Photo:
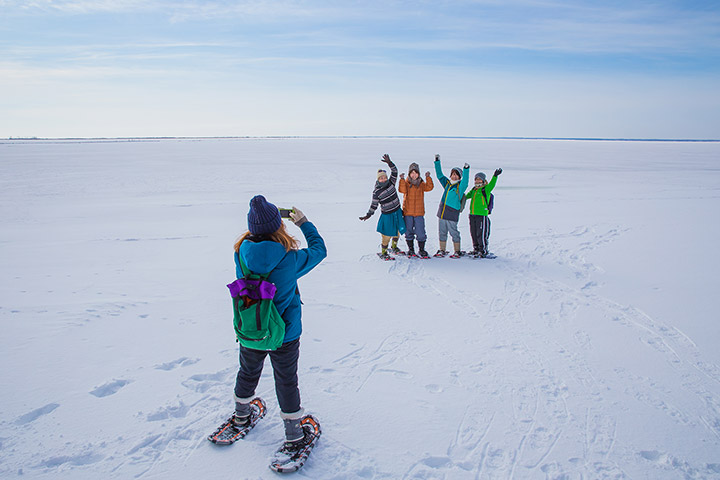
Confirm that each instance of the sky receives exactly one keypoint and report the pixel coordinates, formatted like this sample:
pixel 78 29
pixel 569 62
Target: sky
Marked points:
pixel 486 68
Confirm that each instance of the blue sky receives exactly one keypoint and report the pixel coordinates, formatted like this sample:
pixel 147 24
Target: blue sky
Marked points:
pixel 115 68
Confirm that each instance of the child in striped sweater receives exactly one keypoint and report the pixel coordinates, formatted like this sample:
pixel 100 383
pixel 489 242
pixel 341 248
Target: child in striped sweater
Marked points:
pixel 391 223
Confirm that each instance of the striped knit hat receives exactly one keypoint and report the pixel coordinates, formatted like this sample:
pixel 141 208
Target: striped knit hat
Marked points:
pixel 458 170
pixel 414 166
pixel 263 217
pixel 380 173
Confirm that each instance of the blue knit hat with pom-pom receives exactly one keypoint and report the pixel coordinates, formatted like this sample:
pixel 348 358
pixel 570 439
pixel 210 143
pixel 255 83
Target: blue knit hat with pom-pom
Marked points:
pixel 263 217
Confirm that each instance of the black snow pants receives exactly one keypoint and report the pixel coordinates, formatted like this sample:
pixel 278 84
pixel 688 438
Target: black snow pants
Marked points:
pixel 480 232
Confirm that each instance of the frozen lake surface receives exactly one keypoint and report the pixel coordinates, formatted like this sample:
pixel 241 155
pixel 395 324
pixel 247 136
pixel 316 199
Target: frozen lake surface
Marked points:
pixel 587 349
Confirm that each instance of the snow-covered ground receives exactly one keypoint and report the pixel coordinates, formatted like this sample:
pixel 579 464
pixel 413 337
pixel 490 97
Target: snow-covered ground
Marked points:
pixel 587 349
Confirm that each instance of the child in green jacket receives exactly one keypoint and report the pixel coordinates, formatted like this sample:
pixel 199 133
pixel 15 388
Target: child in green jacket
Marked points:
pixel 479 197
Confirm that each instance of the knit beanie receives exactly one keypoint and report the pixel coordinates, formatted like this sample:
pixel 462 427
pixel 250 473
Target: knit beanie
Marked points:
pixel 415 167
pixel 458 170
pixel 263 217
pixel 481 176
pixel 380 173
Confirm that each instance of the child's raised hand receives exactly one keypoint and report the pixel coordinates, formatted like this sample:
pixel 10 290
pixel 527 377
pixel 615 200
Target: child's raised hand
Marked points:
pixel 498 171
pixel 427 174
pixel 402 176
pixel 386 159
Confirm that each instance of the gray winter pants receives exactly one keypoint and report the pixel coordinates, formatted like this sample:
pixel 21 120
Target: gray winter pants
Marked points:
pixel 415 226
pixel 445 226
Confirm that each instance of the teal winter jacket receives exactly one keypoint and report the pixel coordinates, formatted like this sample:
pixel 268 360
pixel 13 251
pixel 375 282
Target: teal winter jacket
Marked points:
pixel 287 268
pixel 450 205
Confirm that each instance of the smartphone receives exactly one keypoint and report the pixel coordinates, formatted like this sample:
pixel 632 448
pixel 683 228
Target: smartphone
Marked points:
pixel 285 212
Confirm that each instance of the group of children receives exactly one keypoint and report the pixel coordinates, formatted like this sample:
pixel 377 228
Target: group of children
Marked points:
pixel 410 218
pixel 270 253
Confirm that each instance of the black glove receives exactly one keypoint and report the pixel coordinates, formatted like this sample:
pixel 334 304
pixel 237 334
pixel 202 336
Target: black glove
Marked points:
pixel 386 159
pixel 466 166
pixel 498 171
pixel 365 217
pixel 437 157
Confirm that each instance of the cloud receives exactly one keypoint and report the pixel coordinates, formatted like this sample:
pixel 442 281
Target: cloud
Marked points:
pixel 176 10
pixel 75 6
pixel 522 25
pixel 509 67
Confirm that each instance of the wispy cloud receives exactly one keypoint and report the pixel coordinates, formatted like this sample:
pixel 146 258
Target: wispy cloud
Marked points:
pixel 573 27
pixel 470 56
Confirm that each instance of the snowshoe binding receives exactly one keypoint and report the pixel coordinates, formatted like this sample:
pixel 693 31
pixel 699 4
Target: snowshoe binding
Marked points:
pixel 292 455
pixel 235 428
pixel 441 253
pixel 458 254
pixel 385 256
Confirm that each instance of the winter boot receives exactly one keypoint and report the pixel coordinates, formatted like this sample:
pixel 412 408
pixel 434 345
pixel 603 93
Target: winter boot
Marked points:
pixel 421 250
pixel 394 249
pixel 241 417
pixel 443 250
pixel 384 253
pixel 458 253
pixel 411 248
pixel 293 428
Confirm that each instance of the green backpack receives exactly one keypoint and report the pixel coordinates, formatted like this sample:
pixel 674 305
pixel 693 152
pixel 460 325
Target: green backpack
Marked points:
pixel 258 324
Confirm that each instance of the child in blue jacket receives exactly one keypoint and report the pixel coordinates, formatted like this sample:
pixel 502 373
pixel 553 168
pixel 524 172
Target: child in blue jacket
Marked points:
pixel 267 247
pixel 450 206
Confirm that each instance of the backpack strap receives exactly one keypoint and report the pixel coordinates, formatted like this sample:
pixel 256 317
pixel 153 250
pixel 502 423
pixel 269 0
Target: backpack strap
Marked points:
pixel 246 271
pixel 484 194
pixel 447 191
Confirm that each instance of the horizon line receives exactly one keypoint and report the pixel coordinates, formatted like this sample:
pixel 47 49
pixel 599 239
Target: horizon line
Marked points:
pixel 447 137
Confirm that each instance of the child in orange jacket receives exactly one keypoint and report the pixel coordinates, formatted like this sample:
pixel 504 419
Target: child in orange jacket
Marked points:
pixel 413 190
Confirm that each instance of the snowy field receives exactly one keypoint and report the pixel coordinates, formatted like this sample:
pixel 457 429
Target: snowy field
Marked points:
pixel 587 349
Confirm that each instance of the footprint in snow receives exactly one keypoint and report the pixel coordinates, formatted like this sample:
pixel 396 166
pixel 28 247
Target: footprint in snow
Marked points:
pixel 180 362
pixel 172 411
pixel 109 388
pixel 37 413
pixel 79 460
pixel 397 373
pixel 434 388
pixel 201 383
